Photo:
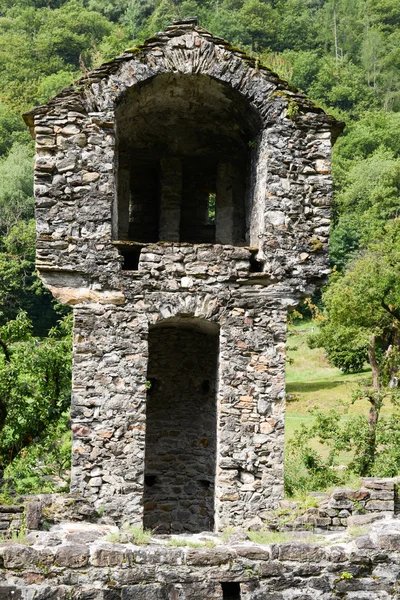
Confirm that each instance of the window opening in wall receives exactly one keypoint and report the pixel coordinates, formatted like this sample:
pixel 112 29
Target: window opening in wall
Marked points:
pixel 256 266
pixel 230 590
pixel 211 207
pixel 181 423
pixel 131 256
pixel 183 161
pixel 150 480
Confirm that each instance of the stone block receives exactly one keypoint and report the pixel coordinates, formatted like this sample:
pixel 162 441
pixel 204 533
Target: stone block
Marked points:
pixel 343 504
pixel 373 483
pixel 345 493
pixel 33 514
pixel 31 578
pixel 155 556
pixel 382 495
pixel 271 569
pixel 389 541
pixel 152 591
pixel 10 592
pixel 336 554
pixel 72 556
pixel 87 593
pixel 18 556
pixel 380 505
pixel 360 520
pixel 110 556
pixel 45 556
pixel 252 552
pixel 7 516
pixel 364 542
pixel 300 551
pixel 11 509
pixel 208 556
pixel 51 593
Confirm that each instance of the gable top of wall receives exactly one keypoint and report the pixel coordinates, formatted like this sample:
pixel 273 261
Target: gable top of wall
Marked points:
pixel 75 97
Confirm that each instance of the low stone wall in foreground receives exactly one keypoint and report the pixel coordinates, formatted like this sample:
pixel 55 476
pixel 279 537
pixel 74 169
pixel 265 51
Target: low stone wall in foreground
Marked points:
pixel 343 507
pixel 82 564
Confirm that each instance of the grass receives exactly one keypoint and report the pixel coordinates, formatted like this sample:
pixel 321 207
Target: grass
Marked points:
pixel 278 537
pixel 18 536
pixel 312 382
pixel 181 542
pixel 141 536
pixel 356 531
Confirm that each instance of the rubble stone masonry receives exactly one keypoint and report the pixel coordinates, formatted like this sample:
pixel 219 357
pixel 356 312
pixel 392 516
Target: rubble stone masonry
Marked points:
pixel 128 162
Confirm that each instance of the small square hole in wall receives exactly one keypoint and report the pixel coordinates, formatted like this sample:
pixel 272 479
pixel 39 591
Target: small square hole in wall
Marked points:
pixel 256 266
pixel 150 480
pixel 131 257
pixel 230 590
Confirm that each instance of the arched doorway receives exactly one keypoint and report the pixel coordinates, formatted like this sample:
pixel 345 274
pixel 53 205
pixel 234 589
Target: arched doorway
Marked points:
pixel 181 422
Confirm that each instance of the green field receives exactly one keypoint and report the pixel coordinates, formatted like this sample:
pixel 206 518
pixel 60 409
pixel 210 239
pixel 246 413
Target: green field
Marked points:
pixel 314 382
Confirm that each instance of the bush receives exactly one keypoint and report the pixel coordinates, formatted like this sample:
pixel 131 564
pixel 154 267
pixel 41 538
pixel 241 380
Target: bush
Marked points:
pixel 35 392
pixel 306 470
pixel 44 465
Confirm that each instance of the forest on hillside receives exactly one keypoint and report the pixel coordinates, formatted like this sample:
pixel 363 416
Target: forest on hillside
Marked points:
pixel 345 55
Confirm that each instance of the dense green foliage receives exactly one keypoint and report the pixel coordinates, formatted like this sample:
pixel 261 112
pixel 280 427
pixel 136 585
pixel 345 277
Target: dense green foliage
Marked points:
pixel 343 53
pixel 34 397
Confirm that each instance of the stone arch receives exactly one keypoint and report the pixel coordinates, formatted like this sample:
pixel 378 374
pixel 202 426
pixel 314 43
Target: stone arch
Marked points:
pixel 184 146
pixel 181 425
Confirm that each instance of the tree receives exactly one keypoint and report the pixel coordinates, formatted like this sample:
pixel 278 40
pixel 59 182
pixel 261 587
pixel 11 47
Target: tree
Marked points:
pixel 16 186
pixel 12 130
pixel 20 287
pixel 34 383
pixel 363 306
pixel 363 322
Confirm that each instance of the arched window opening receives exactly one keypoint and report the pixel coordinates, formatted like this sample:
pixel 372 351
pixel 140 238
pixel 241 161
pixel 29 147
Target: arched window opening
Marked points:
pixel 184 145
pixel 181 423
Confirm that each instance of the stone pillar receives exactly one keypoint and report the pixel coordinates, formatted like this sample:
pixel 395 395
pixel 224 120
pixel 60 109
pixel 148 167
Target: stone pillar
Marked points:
pixel 121 227
pixel 108 409
pixel 251 403
pixel 170 202
pixel 224 214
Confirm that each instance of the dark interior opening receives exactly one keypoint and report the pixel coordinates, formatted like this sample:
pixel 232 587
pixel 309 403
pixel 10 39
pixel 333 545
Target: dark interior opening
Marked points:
pixel 131 256
pixel 184 146
pixel 150 480
pixel 230 590
pixel 256 266
pixel 181 421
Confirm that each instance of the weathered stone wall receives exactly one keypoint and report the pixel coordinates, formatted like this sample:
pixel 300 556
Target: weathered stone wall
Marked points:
pixel 375 498
pixel 245 291
pixel 81 565
pixel 110 368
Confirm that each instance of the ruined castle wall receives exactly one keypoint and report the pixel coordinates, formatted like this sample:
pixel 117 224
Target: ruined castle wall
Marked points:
pixel 65 566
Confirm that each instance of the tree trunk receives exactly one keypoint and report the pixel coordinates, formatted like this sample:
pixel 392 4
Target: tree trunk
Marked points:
pixel 374 363
pixel 373 417
pixel 369 457
pixel 336 36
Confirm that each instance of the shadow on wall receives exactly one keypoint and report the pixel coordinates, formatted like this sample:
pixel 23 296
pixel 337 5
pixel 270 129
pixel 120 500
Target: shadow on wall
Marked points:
pixel 184 152
pixel 181 423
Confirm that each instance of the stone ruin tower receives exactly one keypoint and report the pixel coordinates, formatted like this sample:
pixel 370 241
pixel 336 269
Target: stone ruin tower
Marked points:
pixel 182 203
